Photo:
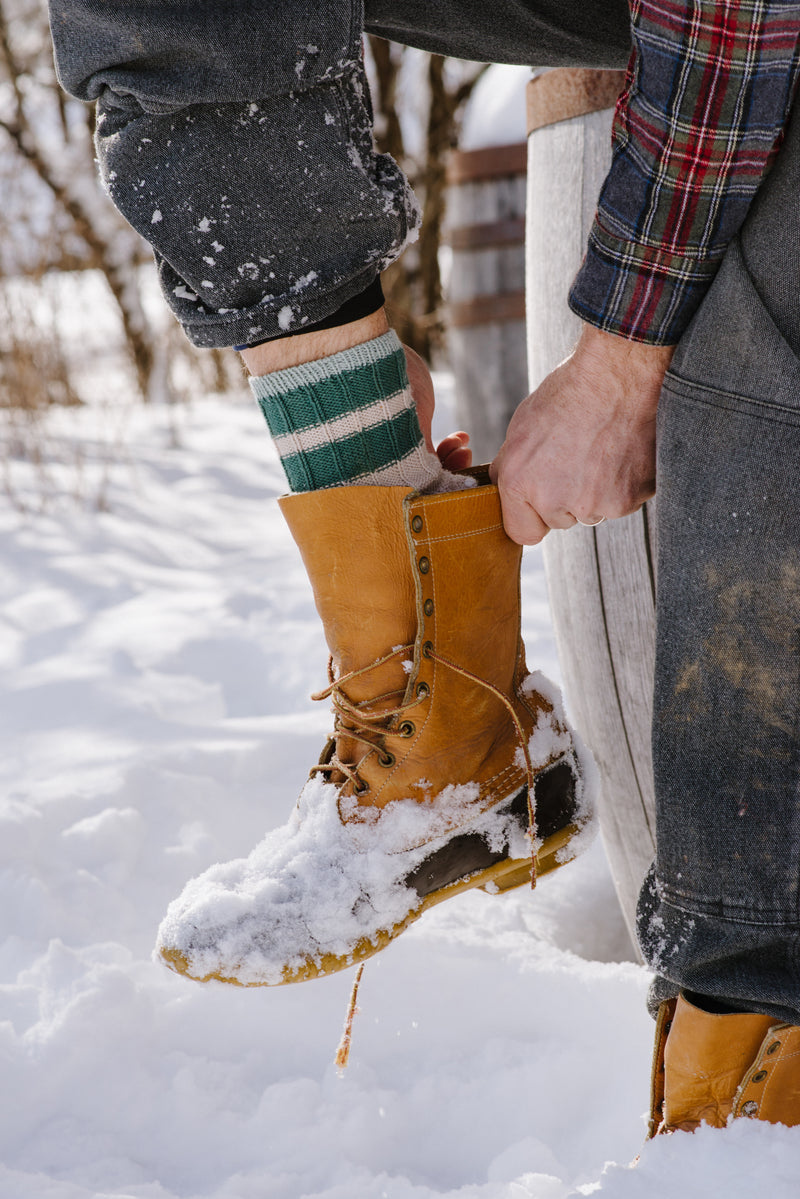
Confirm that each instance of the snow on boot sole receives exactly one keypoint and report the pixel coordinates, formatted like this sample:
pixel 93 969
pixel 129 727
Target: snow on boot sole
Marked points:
pixel 439 736
pixel 464 861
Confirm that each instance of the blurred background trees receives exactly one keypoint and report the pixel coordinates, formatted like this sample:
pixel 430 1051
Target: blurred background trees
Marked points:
pixel 54 218
pixel 55 221
pixel 419 101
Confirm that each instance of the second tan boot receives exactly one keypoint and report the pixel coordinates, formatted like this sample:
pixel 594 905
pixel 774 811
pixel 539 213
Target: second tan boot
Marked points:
pixel 446 757
pixel 709 1069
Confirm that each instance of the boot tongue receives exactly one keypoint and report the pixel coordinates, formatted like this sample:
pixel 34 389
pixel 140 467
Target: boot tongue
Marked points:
pixel 359 636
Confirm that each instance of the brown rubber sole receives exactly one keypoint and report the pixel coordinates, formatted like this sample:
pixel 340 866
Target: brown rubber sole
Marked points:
pixel 494 879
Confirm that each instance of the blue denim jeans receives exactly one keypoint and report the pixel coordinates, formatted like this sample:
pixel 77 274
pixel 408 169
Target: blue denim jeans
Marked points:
pixel 720 912
pixel 236 138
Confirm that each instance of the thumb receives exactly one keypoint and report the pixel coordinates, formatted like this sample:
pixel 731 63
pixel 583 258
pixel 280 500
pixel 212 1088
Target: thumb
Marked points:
pixel 496 464
pixel 421 384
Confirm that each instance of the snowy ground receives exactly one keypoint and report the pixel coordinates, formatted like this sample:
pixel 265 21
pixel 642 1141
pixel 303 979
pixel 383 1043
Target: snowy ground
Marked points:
pixel 157 658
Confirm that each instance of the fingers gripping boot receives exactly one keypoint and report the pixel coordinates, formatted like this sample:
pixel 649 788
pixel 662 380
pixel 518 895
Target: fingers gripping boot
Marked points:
pixel 711 1068
pixel 439 739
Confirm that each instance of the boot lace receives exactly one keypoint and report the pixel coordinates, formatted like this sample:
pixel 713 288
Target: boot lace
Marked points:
pixel 367 722
pixel 368 727
pixel 361 722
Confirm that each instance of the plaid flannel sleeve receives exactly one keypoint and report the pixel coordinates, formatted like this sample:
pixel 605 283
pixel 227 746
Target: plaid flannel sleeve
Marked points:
pixel 708 92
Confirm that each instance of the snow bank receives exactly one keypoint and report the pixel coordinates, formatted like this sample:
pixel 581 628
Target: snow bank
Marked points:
pixel 157 660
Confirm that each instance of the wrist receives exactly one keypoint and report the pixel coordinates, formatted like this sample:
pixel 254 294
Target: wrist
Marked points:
pixel 614 366
pixel 621 354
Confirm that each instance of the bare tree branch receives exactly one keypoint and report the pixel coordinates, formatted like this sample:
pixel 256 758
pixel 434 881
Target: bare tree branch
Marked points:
pixel 27 144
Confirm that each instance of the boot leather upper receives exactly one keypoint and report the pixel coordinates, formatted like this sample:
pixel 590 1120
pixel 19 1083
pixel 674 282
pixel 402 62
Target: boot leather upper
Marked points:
pixel 432 582
pixel 720 1066
pixel 391 567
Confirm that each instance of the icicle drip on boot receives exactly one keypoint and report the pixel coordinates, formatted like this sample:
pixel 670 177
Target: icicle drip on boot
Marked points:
pixel 443 751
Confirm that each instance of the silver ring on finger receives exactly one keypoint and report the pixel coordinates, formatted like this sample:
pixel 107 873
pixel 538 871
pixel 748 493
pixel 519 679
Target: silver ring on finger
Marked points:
pixel 590 524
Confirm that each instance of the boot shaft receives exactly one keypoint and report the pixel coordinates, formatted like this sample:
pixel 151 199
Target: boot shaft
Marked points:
pixel 468 583
pixel 391 568
pixel 354 547
pixel 709 1068
pixel 386 563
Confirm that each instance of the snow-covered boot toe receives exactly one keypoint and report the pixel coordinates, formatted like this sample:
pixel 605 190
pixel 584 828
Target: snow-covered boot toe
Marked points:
pixel 444 749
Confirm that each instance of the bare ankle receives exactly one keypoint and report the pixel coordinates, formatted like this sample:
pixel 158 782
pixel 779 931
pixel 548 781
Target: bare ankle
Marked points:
pixel 308 347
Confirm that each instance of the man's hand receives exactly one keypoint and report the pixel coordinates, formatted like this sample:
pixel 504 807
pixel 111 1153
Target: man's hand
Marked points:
pixel 453 451
pixel 582 446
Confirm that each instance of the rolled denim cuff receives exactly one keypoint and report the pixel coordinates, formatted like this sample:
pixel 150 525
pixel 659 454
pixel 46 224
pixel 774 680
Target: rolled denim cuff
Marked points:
pixel 264 217
pixel 360 306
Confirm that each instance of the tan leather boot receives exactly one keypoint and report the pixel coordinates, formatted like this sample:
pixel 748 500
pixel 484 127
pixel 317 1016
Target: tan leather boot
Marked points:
pixel 712 1068
pixel 439 739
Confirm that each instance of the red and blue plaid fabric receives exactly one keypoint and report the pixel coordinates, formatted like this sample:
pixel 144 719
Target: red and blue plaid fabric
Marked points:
pixel 709 88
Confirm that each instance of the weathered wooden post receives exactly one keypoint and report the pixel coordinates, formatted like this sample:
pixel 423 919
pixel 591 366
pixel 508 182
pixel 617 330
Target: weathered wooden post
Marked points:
pixel 601 580
pixel 486 298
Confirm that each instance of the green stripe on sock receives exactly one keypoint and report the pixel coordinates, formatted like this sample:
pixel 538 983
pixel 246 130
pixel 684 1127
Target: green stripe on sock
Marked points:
pixel 314 411
pixel 365 452
pixel 311 405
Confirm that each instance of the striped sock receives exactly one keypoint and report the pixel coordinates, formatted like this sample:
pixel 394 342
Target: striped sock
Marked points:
pixel 350 419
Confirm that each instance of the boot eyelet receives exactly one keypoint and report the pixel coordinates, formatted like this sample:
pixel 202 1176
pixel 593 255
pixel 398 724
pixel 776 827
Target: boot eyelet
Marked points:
pixel 360 788
pixel 750 1108
pixel 427 607
pixel 427 649
pixel 422 690
pixel 760 1076
pixel 416 524
pixel 774 1047
pixel 386 759
pixel 424 566
pixel 407 728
